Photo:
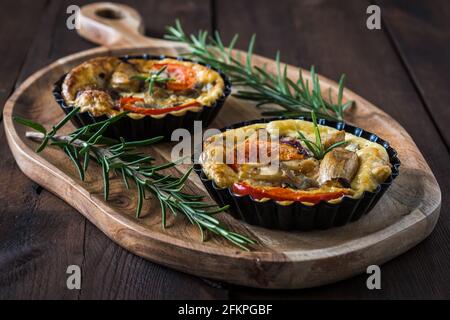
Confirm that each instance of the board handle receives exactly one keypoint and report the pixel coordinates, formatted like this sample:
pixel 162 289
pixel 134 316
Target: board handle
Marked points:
pixel 114 25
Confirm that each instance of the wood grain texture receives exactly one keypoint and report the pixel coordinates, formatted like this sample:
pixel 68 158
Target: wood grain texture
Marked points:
pixel 406 215
pixel 420 31
pixel 18 46
pixel 29 229
pixel 334 38
pixel 40 234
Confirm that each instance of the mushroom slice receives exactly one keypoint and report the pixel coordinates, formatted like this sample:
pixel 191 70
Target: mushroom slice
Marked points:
pixel 300 181
pixel 334 137
pixel 97 102
pixel 352 147
pixel 264 173
pixel 92 74
pixel 338 163
pixel 308 167
pixel 122 78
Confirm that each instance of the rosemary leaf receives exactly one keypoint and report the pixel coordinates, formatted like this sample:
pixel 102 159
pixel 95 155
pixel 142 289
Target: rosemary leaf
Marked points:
pixel 317 147
pixel 124 159
pixel 73 156
pixel 294 97
pixel 105 173
pixel 31 124
pixel 124 178
pixel 334 145
pixel 163 212
pixel 140 198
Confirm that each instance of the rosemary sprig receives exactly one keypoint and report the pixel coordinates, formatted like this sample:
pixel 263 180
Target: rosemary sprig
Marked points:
pixel 296 98
pixel 317 147
pixel 152 78
pixel 124 159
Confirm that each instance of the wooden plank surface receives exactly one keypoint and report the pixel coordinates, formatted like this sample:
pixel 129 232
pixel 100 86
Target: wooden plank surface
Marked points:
pixel 41 235
pixel 334 37
pixel 35 236
pixel 15 52
pixel 328 34
pixel 420 32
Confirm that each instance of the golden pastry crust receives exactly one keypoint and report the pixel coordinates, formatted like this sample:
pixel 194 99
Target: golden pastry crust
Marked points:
pixel 92 74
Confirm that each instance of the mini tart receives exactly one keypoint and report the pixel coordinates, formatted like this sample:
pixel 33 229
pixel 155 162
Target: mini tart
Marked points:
pixel 106 86
pixel 301 192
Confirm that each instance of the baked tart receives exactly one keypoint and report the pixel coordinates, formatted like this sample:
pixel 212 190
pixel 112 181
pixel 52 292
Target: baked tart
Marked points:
pixel 159 94
pixel 271 174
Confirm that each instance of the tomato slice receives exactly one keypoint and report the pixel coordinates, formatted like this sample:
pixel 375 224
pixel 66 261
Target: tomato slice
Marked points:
pixel 286 194
pixel 128 104
pixel 184 77
pixel 129 100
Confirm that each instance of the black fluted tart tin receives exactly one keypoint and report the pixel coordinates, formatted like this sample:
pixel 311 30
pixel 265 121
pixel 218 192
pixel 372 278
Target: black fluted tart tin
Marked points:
pixel 147 127
pixel 298 216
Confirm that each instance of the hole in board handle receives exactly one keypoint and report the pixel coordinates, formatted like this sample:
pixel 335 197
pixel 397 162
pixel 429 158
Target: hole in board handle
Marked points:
pixel 109 13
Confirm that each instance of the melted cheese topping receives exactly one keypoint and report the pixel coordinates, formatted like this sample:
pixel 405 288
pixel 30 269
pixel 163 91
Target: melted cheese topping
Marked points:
pixel 89 86
pixel 203 77
pixel 374 166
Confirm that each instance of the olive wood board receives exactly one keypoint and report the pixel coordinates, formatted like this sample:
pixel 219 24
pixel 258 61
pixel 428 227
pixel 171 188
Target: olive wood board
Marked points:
pixel 403 217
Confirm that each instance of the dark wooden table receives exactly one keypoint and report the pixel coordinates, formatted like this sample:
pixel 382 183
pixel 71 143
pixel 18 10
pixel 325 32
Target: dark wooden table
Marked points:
pixel 404 68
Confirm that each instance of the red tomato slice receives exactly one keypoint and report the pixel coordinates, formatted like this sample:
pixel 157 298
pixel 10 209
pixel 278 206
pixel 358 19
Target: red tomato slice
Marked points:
pixel 184 76
pixel 129 100
pixel 286 194
pixel 128 104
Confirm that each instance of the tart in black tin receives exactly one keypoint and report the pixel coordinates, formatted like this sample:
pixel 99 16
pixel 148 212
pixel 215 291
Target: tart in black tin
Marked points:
pixel 297 215
pixel 150 126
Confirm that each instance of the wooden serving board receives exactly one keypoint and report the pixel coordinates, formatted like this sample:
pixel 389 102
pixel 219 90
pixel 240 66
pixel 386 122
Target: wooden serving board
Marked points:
pixel 405 215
